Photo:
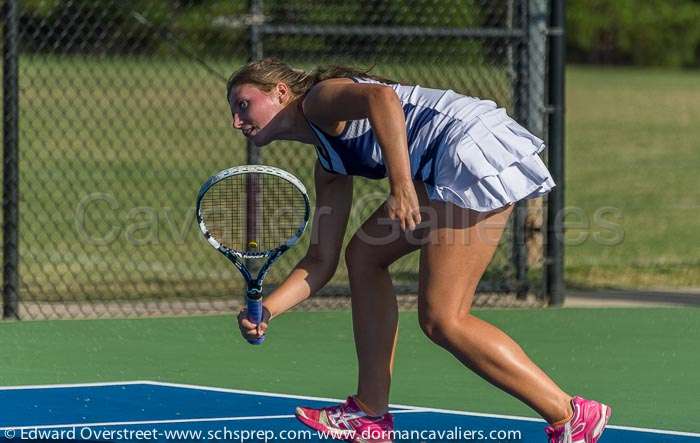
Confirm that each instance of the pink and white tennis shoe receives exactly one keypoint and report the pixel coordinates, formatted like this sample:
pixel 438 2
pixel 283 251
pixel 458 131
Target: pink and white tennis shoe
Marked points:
pixel 347 422
pixel 585 426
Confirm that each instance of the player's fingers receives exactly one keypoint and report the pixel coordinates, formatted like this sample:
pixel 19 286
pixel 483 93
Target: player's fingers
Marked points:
pixel 409 221
pixel 417 217
pixel 253 333
pixel 247 327
pixel 247 324
pixel 244 317
pixel 249 333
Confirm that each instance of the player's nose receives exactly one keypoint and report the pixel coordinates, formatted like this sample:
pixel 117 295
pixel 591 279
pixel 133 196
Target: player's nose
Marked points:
pixel 236 123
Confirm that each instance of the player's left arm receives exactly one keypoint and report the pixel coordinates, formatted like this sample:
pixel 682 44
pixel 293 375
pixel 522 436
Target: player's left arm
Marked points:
pixel 331 103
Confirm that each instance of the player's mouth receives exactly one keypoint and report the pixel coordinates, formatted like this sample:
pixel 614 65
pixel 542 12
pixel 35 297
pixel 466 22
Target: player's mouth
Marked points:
pixel 249 132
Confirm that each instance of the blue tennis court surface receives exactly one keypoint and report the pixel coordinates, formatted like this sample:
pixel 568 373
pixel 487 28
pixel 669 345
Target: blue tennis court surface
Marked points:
pixel 145 411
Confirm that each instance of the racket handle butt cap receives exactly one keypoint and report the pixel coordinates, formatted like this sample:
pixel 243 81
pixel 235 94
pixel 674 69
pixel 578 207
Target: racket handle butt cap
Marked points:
pixel 256 341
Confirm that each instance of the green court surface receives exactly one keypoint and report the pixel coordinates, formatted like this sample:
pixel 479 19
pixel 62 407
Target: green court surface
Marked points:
pixel 643 362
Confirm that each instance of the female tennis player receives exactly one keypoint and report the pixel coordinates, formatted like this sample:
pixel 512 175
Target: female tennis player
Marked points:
pixel 455 165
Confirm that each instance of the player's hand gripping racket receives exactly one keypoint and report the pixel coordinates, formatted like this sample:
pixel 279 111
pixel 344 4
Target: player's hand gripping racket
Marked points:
pixel 252 214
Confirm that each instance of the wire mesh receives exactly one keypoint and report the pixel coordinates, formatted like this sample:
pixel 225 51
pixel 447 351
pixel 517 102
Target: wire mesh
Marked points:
pixel 123 114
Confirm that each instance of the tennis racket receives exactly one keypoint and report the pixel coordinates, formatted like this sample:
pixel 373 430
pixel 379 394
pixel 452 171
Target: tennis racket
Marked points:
pixel 252 214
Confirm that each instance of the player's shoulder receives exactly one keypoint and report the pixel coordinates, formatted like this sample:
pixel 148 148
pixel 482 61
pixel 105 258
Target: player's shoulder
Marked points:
pixel 333 82
pixel 318 90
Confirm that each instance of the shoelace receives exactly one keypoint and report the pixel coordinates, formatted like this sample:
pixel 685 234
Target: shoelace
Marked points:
pixel 339 415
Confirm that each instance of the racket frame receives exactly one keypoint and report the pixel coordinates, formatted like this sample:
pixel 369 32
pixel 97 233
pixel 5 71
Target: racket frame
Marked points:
pixel 238 258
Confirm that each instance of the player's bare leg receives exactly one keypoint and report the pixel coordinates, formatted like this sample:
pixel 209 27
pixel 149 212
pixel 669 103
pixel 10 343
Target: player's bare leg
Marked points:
pixel 376 245
pixel 452 263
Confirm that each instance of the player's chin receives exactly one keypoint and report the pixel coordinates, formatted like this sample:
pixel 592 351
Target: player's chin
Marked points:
pixel 259 140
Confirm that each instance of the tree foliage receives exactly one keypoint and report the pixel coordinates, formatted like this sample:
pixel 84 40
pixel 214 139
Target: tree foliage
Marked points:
pixel 649 32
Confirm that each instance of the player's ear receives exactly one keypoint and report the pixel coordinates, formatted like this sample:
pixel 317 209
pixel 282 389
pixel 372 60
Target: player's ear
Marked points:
pixel 282 92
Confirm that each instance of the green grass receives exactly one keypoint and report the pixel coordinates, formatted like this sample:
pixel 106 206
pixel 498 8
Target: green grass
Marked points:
pixel 632 145
pixel 643 362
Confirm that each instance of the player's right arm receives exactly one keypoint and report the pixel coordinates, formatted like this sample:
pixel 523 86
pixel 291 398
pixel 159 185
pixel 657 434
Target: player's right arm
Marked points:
pixel 333 203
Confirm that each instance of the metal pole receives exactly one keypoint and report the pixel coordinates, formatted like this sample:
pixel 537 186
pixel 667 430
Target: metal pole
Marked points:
pixel 554 270
pixel 522 100
pixel 537 67
pixel 253 187
pixel 256 53
pixel 533 62
pixel 10 181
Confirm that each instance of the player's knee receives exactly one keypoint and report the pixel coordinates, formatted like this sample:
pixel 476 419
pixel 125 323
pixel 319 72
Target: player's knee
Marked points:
pixel 437 327
pixel 360 257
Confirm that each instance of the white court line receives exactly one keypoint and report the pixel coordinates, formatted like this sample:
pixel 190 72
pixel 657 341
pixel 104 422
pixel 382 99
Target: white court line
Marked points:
pixel 172 385
pixel 77 385
pixel 240 391
pixel 160 422
pixel 653 431
pixel 146 422
pixel 405 408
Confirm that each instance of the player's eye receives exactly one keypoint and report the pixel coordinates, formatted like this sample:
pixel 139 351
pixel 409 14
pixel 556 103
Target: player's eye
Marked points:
pixel 243 105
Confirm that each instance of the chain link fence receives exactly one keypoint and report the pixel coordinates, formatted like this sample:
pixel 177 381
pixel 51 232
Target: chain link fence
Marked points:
pixel 122 115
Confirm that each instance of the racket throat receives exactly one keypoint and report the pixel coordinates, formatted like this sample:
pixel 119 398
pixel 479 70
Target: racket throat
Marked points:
pixel 254 291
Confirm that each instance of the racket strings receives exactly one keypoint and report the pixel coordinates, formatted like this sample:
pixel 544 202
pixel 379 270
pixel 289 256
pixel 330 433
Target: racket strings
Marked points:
pixel 253 212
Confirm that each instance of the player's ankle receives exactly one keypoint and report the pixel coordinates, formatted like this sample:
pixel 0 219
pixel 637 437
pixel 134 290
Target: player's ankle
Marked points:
pixel 372 412
pixel 564 416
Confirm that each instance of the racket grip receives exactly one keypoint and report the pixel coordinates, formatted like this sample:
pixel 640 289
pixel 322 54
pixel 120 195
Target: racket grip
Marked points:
pixel 255 315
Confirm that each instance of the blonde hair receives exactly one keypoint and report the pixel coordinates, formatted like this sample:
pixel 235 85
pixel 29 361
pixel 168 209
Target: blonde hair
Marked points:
pixel 266 73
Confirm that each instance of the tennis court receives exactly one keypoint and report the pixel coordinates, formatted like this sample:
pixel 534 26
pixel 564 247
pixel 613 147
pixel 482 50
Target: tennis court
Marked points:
pixel 164 411
pixel 640 361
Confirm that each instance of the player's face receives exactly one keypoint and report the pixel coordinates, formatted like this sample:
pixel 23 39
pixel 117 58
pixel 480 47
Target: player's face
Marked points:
pixel 252 109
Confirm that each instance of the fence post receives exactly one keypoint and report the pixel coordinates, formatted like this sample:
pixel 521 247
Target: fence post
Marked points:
pixel 531 65
pixel 537 76
pixel 253 156
pixel 10 181
pixel 554 269
pixel 256 53
pixel 521 98
pixel 537 68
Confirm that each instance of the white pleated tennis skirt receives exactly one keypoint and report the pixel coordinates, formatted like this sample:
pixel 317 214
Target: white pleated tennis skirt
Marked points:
pixel 494 164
